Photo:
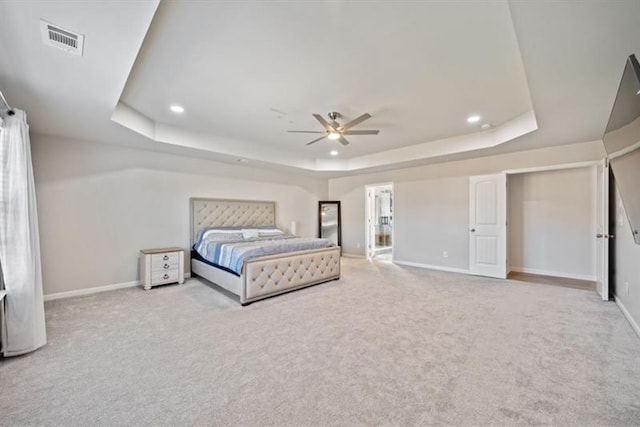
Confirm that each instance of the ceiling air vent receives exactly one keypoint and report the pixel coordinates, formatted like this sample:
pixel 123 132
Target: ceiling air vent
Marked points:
pixel 60 38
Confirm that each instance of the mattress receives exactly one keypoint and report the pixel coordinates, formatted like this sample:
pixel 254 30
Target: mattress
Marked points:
pixel 230 255
pixel 197 256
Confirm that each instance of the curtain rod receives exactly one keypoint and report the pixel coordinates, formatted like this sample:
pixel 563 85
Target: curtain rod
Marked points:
pixel 10 112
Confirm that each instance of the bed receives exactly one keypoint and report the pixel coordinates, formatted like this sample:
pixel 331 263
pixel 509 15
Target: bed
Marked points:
pixel 262 276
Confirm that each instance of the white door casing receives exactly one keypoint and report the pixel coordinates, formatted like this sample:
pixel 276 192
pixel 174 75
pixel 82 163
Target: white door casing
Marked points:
pixel 370 223
pixel 602 230
pixel 487 225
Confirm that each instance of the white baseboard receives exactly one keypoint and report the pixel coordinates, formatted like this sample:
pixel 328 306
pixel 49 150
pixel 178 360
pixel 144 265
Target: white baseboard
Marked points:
pixel 357 256
pixel 95 290
pixel 433 267
pixel 89 291
pixel 551 273
pixel 632 321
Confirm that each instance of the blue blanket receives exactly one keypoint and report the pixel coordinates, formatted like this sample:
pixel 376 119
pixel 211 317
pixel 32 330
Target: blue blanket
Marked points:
pixel 233 254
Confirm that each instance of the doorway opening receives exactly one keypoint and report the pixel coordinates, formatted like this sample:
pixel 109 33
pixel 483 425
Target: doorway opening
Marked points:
pixel 554 219
pixel 542 224
pixel 379 220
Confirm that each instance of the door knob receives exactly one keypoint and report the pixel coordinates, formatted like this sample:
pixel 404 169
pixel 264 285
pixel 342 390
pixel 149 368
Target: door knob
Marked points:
pixel 473 230
pixel 599 236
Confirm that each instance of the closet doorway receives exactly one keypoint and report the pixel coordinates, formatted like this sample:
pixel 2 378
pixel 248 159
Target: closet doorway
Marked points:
pixel 556 227
pixel 379 221
pixel 556 223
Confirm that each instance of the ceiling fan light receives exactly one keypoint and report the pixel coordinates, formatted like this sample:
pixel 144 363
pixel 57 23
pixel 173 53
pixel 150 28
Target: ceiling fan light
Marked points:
pixel 333 135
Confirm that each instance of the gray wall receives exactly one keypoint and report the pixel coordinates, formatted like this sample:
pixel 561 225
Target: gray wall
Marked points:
pixel 552 222
pixel 100 204
pixel 626 265
pixel 432 202
pixel 429 219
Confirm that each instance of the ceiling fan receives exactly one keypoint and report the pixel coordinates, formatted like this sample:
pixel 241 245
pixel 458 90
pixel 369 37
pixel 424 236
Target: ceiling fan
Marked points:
pixel 335 131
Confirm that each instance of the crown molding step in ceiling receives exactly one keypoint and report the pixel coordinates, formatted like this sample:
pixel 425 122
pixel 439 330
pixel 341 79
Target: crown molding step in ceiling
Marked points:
pixel 258 77
pixel 374 84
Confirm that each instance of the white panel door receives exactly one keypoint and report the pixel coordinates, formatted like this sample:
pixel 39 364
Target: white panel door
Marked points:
pixel 602 231
pixel 487 225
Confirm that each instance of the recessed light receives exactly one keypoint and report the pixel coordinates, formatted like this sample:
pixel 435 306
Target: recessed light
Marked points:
pixel 177 109
pixel 333 135
pixel 485 126
pixel 334 152
pixel 473 119
pixel 243 160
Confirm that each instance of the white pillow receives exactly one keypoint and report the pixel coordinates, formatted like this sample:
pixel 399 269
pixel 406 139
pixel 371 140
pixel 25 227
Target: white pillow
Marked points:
pixel 218 231
pixel 222 237
pixel 250 233
pixel 270 232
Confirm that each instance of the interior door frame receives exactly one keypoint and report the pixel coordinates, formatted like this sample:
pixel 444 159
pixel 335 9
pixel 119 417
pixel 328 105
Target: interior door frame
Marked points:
pixel 602 229
pixel 369 245
pixel 563 166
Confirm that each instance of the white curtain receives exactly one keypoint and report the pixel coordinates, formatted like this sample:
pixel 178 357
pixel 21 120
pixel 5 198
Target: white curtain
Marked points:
pixel 24 324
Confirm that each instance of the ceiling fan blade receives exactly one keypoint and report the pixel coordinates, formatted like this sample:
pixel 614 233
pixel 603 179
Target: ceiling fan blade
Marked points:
pixel 342 140
pixel 305 131
pixel 361 132
pixel 355 121
pixel 316 140
pixel 323 122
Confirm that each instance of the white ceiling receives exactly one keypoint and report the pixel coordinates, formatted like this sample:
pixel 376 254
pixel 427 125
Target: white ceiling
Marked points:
pixel 251 71
pixel 542 73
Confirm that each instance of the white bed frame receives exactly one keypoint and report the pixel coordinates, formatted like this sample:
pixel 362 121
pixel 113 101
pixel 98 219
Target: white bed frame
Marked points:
pixel 264 276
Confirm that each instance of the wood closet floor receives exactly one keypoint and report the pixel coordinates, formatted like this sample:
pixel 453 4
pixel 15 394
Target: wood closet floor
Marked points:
pixel 586 285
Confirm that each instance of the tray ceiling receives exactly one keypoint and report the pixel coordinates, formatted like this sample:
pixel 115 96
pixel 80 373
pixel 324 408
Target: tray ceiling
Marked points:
pixel 540 73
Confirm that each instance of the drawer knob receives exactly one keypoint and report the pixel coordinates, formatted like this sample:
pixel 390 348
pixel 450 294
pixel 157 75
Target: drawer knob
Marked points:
pixel 166 257
pixel 167 266
pixel 166 276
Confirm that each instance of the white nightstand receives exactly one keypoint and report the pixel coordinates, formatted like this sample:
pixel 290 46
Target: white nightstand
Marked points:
pixel 161 266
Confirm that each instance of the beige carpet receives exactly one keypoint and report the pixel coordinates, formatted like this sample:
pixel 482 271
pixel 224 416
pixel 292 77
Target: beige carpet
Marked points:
pixel 386 345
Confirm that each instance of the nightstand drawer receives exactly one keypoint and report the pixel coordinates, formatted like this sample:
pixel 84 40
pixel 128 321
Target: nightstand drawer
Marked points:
pixel 166 261
pixel 165 276
pixel 164 266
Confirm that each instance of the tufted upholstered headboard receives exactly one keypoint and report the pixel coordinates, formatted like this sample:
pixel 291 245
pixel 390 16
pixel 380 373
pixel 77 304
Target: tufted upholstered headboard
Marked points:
pixel 229 213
